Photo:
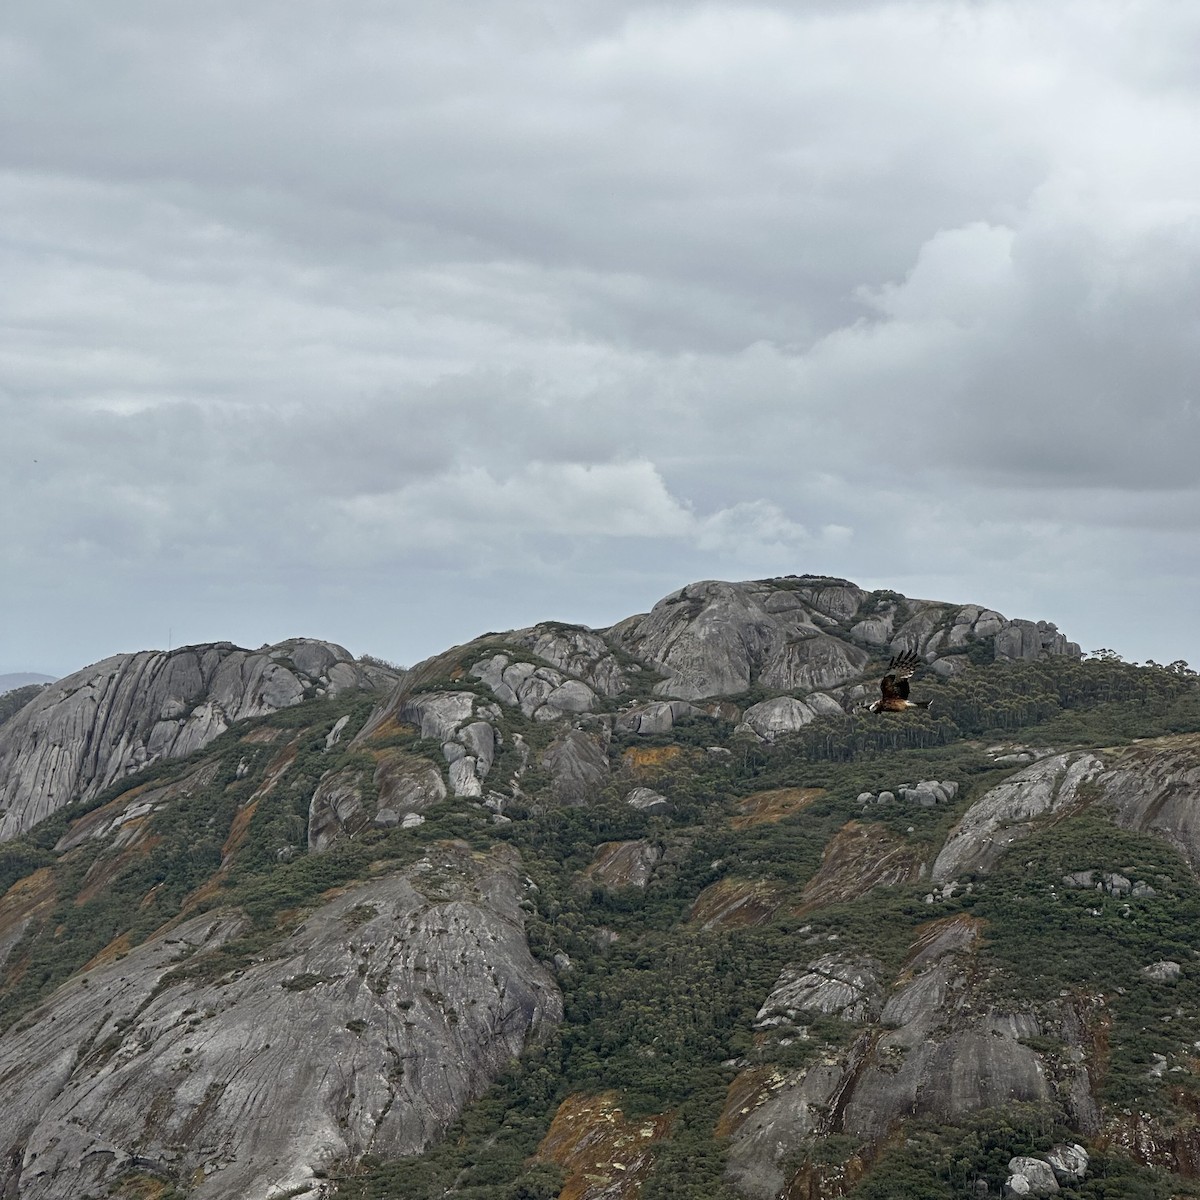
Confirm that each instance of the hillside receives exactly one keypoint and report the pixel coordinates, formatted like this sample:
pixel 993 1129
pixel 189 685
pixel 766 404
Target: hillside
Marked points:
pixel 654 911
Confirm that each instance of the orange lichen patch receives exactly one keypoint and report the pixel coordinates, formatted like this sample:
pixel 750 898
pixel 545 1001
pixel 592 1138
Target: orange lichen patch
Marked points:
pixel 115 949
pixel 92 822
pixel 858 858
pixel 149 898
pixel 603 1153
pixel 264 735
pixel 648 762
pixel 942 936
pixel 826 1180
pixel 29 897
pixel 733 903
pixel 142 1187
pixel 277 768
pixel 1154 1142
pixel 390 727
pixel 765 808
pixel 622 864
pixel 237 830
pixel 104 870
pixel 206 891
pixel 747 1091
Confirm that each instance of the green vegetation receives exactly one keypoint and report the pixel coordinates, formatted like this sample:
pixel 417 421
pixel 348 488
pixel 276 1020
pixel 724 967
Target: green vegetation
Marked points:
pixel 11 702
pixel 657 1008
pixel 947 1162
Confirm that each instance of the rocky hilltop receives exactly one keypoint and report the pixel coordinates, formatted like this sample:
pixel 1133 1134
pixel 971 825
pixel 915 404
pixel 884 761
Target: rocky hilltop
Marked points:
pixel 649 911
pixel 128 711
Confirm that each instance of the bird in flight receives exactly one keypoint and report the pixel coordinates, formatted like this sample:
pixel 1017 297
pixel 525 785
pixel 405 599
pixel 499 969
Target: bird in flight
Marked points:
pixel 894 685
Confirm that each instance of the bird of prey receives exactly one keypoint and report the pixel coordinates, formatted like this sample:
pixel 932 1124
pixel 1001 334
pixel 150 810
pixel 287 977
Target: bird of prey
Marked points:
pixel 894 685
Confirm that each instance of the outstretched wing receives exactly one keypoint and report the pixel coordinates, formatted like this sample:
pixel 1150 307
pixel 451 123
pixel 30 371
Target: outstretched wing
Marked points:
pixel 894 685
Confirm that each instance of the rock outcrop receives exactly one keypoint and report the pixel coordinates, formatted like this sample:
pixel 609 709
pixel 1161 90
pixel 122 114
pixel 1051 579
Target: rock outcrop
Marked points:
pixel 1154 787
pixel 782 715
pixel 716 639
pixel 835 984
pixel 623 864
pixel 940 1049
pixel 1006 813
pixel 578 765
pixel 1151 787
pixel 368 1028
pixel 111 719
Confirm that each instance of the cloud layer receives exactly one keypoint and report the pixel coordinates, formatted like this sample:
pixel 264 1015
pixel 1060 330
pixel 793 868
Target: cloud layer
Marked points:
pixel 393 325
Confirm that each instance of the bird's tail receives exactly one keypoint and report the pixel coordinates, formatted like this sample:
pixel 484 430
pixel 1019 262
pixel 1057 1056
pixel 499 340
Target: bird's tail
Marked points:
pixel 926 704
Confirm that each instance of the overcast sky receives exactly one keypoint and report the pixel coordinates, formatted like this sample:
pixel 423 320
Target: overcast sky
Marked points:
pixel 392 323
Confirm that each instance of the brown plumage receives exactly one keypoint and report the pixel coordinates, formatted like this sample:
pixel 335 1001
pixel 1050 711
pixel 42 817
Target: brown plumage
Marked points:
pixel 894 685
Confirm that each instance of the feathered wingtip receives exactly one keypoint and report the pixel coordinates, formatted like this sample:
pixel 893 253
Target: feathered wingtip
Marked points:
pixel 905 663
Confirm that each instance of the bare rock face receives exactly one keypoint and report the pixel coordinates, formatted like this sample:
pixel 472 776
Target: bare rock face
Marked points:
pixel 111 719
pixel 939 1049
pixel 578 764
pixel 944 1050
pixel 1154 788
pixel 659 716
pixel 715 639
pixel 541 692
pixel 336 809
pixel 407 783
pixel 833 985
pixel 1033 640
pixel 575 651
pixel 1005 814
pixel 369 1028
pixel 769 1114
pixel 623 864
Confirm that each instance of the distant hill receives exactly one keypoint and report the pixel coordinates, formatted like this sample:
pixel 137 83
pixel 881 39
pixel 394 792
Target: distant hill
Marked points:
pixel 652 912
pixel 19 679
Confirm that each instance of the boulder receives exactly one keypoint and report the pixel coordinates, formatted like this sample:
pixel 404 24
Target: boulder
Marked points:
pixel 774 718
pixel 1068 1161
pixel 656 717
pixel 1030 1177
pixel 540 692
pixel 838 984
pixel 650 802
pixel 438 714
pixel 1164 971
pixel 575 651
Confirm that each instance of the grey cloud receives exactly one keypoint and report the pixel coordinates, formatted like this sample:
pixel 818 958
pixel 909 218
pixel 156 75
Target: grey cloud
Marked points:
pixel 327 315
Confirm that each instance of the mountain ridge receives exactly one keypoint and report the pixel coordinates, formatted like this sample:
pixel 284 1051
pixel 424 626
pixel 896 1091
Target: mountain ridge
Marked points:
pixel 663 876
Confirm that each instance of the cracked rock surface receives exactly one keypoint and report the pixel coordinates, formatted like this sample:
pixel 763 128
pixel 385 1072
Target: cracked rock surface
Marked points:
pixel 119 715
pixel 365 1030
